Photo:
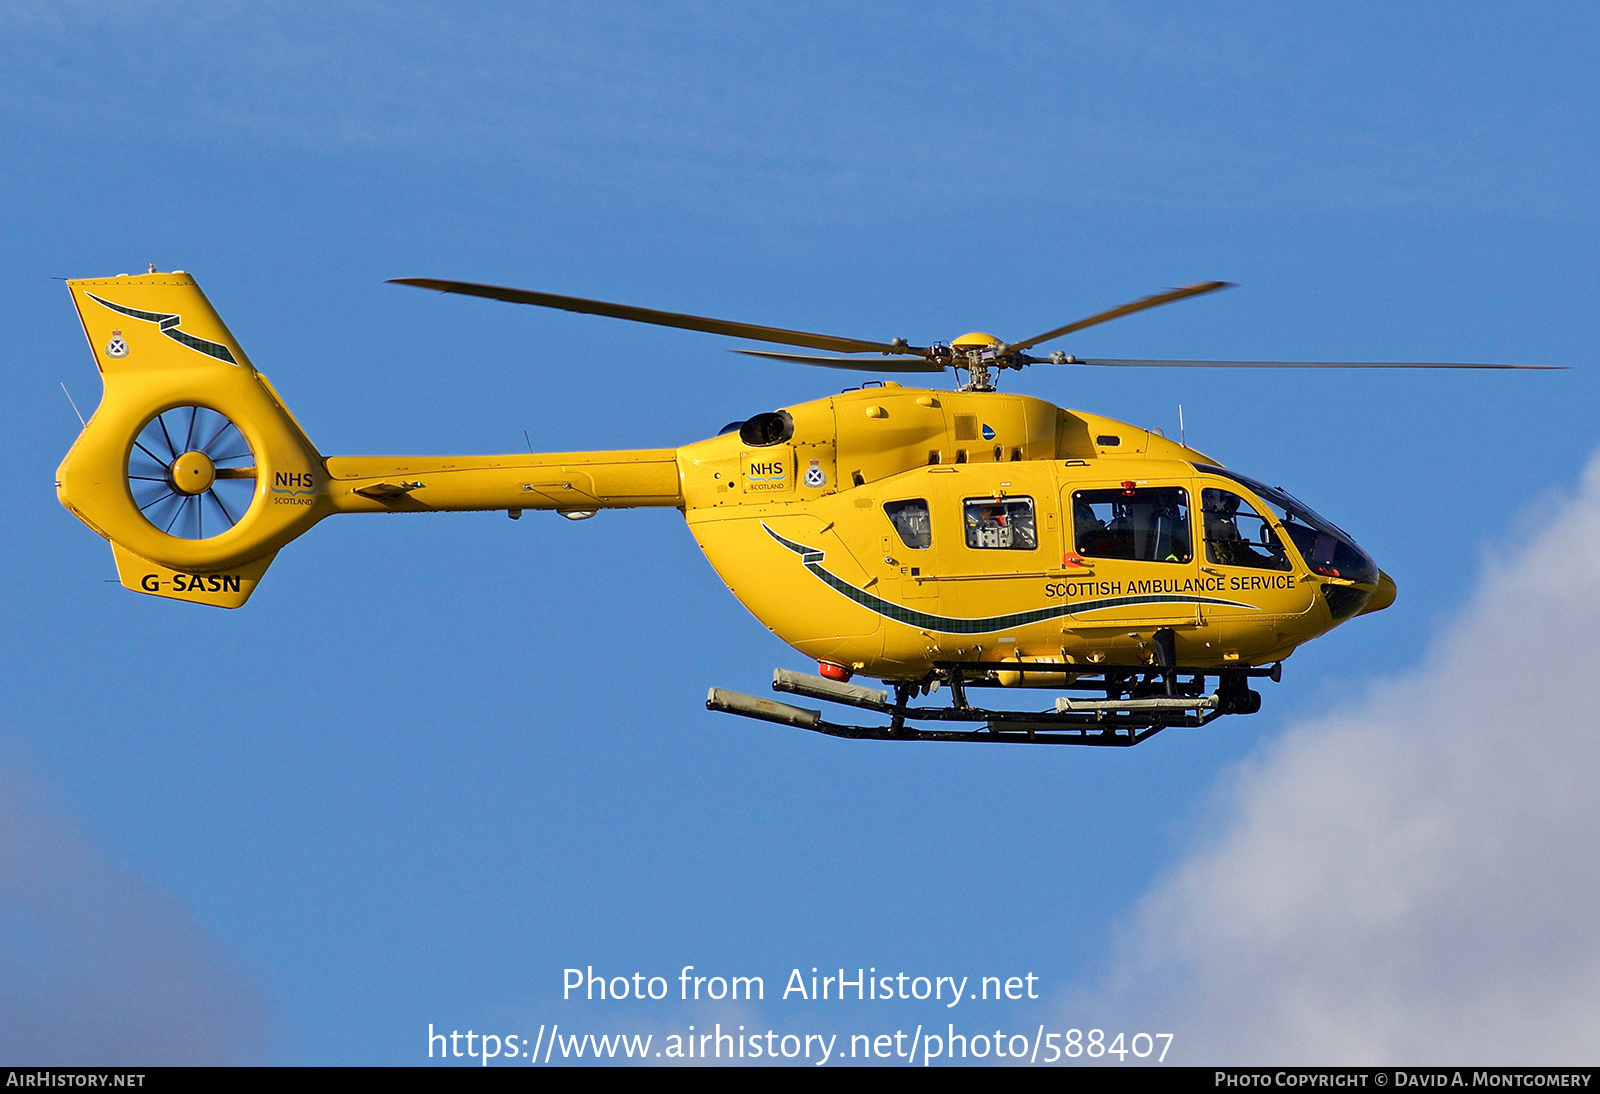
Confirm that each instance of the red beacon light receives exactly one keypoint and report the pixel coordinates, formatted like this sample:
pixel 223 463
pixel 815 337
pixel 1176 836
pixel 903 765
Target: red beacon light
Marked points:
pixel 834 672
pixel 1127 488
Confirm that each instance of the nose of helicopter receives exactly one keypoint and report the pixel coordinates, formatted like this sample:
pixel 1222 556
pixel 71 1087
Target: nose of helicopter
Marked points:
pixel 1383 597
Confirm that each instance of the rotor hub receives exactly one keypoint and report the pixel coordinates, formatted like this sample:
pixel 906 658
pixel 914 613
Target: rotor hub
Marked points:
pixel 192 473
pixel 976 340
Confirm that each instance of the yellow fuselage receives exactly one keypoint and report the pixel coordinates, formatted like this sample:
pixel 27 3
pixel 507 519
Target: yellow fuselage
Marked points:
pixel 860 597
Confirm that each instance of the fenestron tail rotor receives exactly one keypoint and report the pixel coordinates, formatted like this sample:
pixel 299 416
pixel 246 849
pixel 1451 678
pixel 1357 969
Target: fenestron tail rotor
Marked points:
pixel 191 472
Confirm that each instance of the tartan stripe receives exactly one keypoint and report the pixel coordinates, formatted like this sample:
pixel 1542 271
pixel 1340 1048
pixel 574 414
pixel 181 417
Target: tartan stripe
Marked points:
pixel 168 325
pixel 811 558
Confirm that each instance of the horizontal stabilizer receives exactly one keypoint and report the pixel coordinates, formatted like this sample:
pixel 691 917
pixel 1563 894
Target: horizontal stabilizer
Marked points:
pixel 384 490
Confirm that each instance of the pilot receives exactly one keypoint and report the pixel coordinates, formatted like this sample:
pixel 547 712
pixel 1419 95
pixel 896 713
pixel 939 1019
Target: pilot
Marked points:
pixel 1225 544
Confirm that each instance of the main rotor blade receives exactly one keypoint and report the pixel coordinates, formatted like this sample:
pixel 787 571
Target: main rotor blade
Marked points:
pixel 1129 363
pixel 661 318
pixel 866 364
pixel 1126 309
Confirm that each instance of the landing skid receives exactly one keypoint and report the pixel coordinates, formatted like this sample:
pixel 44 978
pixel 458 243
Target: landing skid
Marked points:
pixel 1133 704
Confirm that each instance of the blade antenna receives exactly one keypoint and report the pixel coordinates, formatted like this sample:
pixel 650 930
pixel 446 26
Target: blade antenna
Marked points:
pixel 74 403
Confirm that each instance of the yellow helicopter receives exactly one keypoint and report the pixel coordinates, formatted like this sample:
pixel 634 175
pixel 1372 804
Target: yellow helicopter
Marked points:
pixel 965 539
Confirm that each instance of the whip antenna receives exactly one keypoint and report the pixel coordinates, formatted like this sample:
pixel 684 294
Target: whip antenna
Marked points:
pixel 75 409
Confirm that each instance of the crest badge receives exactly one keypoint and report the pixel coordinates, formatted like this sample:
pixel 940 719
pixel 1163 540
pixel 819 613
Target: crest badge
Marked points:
pixel 815 475
pixel 118 346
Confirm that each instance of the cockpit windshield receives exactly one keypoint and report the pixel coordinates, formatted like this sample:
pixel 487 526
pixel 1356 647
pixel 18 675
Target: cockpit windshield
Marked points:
pixel 1327 549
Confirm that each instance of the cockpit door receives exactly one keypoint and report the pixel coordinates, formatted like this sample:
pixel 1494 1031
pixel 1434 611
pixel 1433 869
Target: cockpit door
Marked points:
pixel 1243 548
pixel 1130 550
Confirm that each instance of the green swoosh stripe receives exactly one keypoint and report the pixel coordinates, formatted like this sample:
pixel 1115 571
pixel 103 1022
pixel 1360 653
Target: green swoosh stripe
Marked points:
pixel 811 558
pixel 168 325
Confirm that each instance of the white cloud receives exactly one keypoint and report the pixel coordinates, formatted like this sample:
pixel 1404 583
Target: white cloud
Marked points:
pixel 95 966
pixel 1415 879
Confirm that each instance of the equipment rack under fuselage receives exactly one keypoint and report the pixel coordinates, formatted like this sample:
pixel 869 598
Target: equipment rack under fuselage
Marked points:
pixel 1136 703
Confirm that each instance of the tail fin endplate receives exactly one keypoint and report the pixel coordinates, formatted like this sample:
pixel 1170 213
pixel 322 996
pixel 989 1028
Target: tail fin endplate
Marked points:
pixel 159 345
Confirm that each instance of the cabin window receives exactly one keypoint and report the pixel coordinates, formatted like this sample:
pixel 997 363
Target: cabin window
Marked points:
pixel 1145 524
pixel 1000 523
pixel 910 520
pixel 1237 535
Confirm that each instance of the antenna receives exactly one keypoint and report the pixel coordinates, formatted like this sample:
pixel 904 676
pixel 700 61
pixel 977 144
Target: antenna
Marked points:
pixel 1180 424
pixel 529 440
pixel 75 409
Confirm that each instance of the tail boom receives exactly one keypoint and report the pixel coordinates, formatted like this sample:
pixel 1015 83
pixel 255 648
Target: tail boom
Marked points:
pixel 570 481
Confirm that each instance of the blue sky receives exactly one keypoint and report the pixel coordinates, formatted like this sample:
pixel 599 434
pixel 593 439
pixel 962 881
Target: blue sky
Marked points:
pixel 435 761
